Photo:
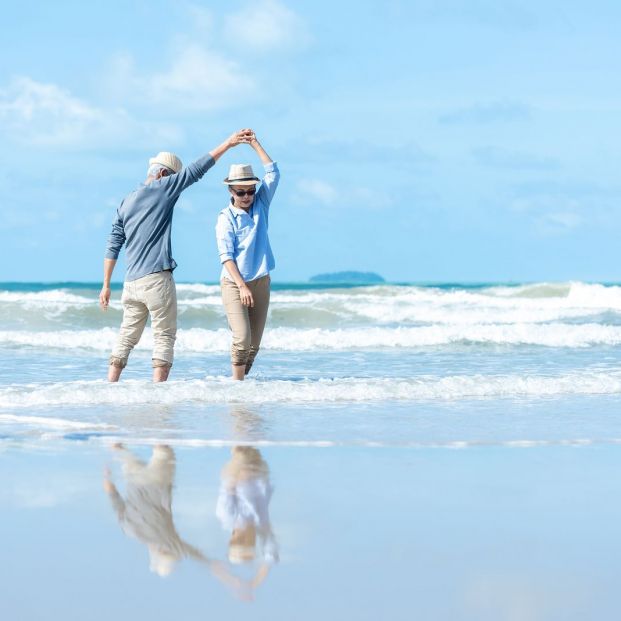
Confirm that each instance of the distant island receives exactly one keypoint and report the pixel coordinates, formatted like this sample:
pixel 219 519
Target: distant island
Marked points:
pixel 350 278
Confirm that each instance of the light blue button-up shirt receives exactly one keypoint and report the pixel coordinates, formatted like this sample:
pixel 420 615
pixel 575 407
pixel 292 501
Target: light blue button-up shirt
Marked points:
pixel 242 236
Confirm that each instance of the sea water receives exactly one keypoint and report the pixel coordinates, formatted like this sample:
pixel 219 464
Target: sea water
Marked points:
pixel 447 451
pixel 397 351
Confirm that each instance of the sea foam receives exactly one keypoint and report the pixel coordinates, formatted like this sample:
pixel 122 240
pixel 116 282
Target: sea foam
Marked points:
pixel 199 340
pixel 47 422
pixel 378 305
pixel 219 390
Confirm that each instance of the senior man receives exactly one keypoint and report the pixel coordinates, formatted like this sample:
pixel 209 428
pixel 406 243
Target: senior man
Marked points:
pixel 143 223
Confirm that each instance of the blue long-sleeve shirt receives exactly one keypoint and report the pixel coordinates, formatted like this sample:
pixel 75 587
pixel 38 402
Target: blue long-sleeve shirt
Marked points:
pixel 143 221
pixel 242 236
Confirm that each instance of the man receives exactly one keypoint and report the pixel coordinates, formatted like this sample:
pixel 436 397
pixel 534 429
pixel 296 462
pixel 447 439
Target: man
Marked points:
pixel 143 223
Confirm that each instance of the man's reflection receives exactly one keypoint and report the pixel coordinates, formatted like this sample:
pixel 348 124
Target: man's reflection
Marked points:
pixel 146 512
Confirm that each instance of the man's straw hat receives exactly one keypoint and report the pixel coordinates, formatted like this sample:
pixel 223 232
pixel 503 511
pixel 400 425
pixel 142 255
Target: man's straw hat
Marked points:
pixel 170 160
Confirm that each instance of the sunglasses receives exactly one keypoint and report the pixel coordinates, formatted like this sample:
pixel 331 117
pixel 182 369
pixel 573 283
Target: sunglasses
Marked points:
pixel 241 193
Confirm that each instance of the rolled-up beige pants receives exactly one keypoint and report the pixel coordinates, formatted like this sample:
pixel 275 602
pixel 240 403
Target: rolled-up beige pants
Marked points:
pixel 246 323
pixel 155 295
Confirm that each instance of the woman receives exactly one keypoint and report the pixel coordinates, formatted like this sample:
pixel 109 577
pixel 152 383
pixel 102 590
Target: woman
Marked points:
pixel 246 256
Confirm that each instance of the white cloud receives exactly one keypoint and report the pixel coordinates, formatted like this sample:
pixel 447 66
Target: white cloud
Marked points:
pixel 202 70
pixel 552 215
pixel 45 115
pixel 197 79
pixel 317 190
pixel 369 198
pixel 200 79
pixel 191 77
pixel 558 222
pixel 17 218
pixel 487 113
pixel 510 159
pixel 266 26
pixel 202 19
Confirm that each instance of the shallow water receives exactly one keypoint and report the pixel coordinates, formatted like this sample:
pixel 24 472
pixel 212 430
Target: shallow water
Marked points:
pixel 440 452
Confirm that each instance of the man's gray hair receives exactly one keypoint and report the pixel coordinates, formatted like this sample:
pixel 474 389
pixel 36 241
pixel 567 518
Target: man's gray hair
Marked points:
pixel 155 168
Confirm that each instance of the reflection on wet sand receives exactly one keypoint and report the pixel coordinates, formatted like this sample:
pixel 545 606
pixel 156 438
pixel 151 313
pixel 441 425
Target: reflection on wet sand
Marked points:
pixel 242 508
pixel 146 511
pixel 247 424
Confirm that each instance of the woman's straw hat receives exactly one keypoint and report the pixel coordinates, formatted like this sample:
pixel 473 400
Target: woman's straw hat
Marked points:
pixel 239 554
pixel 241 174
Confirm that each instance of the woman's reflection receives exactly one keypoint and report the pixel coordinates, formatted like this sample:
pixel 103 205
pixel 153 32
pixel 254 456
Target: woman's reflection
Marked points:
pixel 146 512
pixel 243 507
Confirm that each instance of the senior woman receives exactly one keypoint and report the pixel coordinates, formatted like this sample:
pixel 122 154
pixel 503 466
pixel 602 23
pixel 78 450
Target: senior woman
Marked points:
pixel 246 256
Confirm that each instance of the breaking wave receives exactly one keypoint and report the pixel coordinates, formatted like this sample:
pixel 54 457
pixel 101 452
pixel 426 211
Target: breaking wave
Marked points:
pixel 199 340
pixel 200 306
pixel 219 390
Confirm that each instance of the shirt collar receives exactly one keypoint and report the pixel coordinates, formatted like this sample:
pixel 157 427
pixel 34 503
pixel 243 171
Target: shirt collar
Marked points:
pixel 239 212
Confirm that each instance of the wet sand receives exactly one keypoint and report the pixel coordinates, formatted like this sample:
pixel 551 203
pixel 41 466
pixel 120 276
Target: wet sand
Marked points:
pixel 363 533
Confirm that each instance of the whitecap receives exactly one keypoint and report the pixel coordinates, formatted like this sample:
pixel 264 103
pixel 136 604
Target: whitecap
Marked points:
pixel 200 340
pixel 47 422
pixel 219 390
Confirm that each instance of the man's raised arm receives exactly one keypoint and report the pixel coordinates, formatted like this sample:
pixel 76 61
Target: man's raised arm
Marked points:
pixel 175 184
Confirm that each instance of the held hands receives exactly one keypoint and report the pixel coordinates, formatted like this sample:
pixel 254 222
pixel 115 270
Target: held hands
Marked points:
pixel 243 136
pixel 104 298
pixel 246 295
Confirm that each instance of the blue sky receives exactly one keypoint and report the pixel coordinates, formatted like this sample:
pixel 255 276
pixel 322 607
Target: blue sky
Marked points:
pixel 426 140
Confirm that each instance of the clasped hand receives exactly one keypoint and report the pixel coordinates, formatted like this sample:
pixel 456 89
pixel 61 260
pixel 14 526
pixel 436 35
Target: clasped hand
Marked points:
pixel 243 136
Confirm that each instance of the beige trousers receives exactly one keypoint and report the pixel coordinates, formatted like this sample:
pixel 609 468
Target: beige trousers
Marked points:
pixel 155 295
pixel 246 323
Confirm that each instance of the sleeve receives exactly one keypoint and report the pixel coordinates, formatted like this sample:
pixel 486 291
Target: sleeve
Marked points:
pixel 227 507
pixel 118 504
pixel 225 237
pixel 175 184
pixel 116 238
pixel 270 183
pixel 270 549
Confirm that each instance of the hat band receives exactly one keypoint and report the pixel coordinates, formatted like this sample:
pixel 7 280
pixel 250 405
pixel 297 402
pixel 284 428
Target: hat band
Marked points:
pixel 243 179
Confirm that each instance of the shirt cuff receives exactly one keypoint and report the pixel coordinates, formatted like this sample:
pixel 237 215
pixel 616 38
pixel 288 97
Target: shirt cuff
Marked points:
pixel 226 256
pixel 111 255
pixel 271 167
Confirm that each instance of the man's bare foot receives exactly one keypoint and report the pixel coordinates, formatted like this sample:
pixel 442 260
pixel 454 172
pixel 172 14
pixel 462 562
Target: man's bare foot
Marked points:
pixel 114 373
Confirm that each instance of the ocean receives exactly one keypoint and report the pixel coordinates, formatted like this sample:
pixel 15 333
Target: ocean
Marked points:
pixel 442 450
pixel 407 346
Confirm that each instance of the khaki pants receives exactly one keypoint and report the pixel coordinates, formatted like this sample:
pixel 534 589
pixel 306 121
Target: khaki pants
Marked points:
pixel 155 295
pixel 246 323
